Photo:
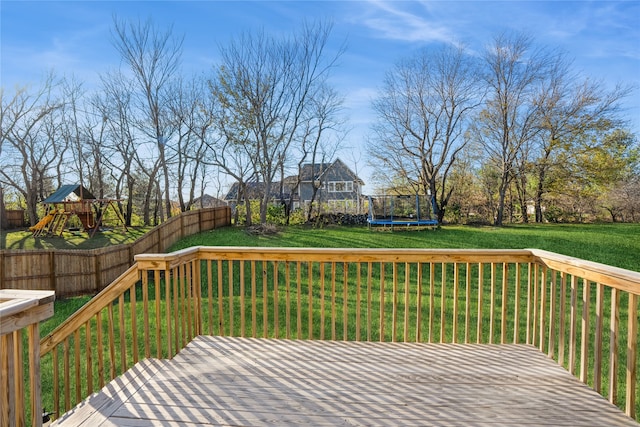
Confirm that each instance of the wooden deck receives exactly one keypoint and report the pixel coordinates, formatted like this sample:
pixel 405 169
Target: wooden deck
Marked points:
pixel 244 381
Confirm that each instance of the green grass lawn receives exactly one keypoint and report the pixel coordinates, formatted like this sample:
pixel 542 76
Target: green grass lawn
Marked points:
pixel 24 240
pixel 613 244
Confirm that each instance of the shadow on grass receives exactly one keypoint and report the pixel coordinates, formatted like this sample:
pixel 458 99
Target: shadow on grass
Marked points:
pixel 24 240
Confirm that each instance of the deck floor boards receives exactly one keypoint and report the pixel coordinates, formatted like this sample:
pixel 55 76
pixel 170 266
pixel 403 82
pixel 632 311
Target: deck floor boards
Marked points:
pixel 250 382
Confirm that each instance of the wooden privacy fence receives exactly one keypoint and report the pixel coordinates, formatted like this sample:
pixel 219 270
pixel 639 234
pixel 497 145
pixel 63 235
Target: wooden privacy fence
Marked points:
pixel 15 218
pixel 583 314
pixel 72 272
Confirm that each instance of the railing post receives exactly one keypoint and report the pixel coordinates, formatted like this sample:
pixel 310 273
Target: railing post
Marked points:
pixel 52 270
pixel 7 392
pixel 2 269
pixel 20 309
pixel 34 373
pixel 632 354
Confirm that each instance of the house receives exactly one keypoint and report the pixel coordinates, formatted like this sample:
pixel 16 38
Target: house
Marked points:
pixel 332 185
pixel 338 187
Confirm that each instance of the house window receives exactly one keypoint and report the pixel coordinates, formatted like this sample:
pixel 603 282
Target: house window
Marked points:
pixel 339 186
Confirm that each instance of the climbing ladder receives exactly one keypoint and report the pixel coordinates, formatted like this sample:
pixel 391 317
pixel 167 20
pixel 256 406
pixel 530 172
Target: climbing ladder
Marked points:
pixel 53 226
pixel 59 223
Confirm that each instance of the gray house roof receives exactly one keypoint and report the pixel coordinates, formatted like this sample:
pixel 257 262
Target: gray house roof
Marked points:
pixel 316 171
pixel 313 171
pixel 208 201
pixel 255 190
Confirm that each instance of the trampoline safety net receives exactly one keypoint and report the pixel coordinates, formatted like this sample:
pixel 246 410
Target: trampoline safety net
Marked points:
pixel 401 210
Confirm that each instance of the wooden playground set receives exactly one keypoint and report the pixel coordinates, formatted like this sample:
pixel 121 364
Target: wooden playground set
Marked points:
pixel 74 200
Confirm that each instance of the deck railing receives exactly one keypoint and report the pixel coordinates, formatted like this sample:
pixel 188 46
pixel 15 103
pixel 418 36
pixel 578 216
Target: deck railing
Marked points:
pixel 583 314
pixel 21 311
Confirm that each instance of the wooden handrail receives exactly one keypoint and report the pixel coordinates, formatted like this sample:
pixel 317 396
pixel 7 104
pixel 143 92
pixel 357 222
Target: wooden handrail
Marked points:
pixel 365 254
pixel 619 278
pixel 90 309
pixel 427 295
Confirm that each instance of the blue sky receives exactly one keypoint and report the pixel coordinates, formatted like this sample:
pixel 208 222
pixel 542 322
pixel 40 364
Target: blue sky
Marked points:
pixel 73 37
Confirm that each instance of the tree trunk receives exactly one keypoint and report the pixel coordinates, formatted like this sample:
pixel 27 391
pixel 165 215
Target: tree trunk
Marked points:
pixel 502 195
pixel 289 202
pixel 264 204
pixel 521 187
pixel 165 172
pixel 539 192
pixel 32 208
pixel 129 210
pixel 242 195
pixel 439 207
pixel 313 199
pixel 247 204
pixel 538 204
pixel 3 211
pixel 146 206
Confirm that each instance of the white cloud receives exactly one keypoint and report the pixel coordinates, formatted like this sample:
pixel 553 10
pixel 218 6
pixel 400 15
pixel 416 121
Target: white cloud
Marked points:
pixel 394 20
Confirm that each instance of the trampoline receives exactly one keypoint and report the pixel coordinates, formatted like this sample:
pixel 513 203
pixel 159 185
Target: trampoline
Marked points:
pixel 409 210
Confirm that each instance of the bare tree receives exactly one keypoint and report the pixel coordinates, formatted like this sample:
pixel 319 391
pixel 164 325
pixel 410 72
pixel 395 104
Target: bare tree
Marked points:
pixel 320 134
pixel 77 130
pixel 465 178
pixel 624 199
pixel 510 118
pixel 193 125
pixel 422 113
pixel 154 59
pixel 268 85
pixel 31 151
pixel 94 161
pixel 569 110
pixel 120 145
pixel 229 145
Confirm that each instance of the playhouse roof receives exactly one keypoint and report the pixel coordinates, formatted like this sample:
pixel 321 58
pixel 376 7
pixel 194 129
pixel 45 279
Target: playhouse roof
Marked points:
pixel 64 194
